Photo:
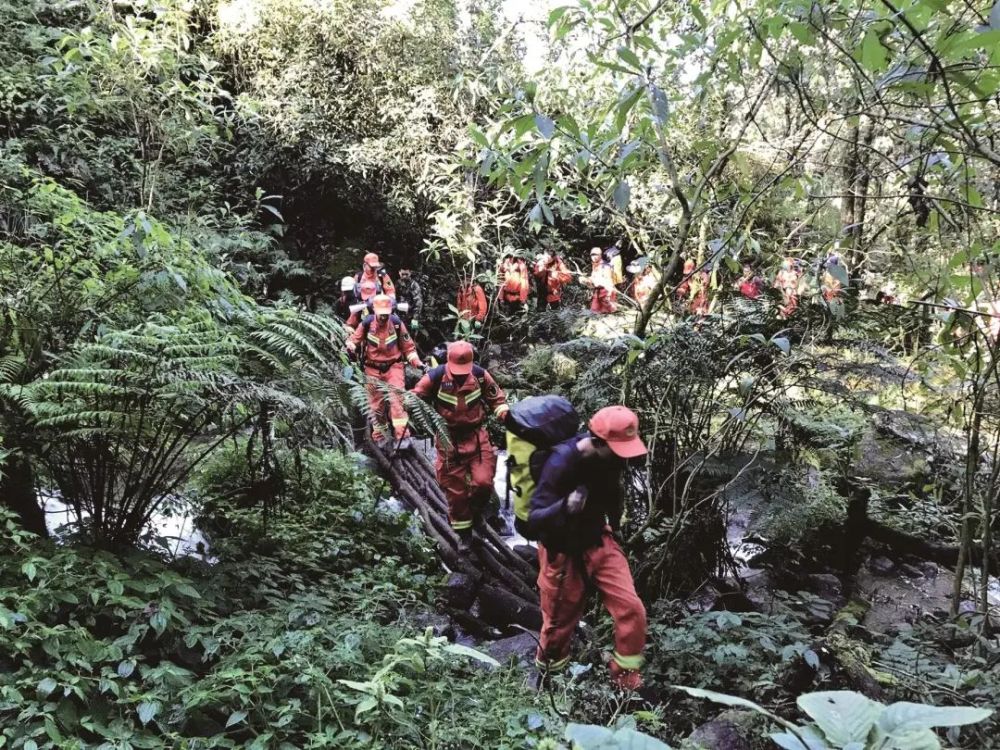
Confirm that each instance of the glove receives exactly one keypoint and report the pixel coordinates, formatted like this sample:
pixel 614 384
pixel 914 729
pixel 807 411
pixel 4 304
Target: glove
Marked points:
pixel 576 501
pixel 477 324
pixel 414 325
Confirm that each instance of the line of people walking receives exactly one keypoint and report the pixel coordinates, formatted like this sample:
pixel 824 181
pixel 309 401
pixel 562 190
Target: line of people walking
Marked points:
pixel 575 505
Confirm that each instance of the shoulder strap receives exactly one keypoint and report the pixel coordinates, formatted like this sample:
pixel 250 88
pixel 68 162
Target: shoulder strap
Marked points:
pixel 436 375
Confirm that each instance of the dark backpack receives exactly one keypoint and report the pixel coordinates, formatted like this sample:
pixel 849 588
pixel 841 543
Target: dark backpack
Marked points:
pixel 534 427
pixel 379 287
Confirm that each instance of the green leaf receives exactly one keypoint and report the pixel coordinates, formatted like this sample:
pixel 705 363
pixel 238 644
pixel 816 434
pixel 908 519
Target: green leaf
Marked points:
pixel 622 195
pixel 158 622
pixel 874 56
pixel 556 14
pixel 29 570
pixel 235 718
pixel 788 741
pixel 147 710
pixel 116 588
pixel 802 33
pixel 995 16
pixel 903 717
pixel 126 668
pixel 588 736
pixel 478 137
pixel 523 124
pixel 545 126
pixel 629 57
pixel 46 686
pixel 460 650
pixel 843 715
pixel 29 745
pixel 661 107
pixel 782 343
pixel 366 705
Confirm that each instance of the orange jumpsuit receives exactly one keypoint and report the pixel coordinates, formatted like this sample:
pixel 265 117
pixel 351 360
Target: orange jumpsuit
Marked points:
pixel 644 284
pixel 605 294
pixel 512 278
pixel 471 303
pixel 466 469
pixel 383 347
pixel 787 281
pixel 685 286
pixel 371 283
pixel 699 290
pixel 553 275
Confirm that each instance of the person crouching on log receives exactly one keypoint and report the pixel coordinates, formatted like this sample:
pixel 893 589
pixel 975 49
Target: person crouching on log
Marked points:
pixel 461 392
pixel 576 510
pixel 380 342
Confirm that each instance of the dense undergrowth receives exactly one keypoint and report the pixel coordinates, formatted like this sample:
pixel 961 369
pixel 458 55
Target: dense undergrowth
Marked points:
pixel 141 651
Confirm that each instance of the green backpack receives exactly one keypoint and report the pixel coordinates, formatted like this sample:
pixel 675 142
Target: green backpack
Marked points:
pixel 534 426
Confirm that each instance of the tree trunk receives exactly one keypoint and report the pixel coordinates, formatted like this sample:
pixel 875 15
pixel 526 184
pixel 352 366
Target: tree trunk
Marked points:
pixel 17 492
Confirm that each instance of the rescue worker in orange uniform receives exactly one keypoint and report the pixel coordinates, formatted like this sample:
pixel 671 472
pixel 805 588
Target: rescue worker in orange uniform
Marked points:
pixel 684 288
pixel 576 510
pixel 471 303
pixel 514 282
pixel 644 281
pixel 464 393
pixel 381 342
pixel 601 281
pixel 373 279
pixel 701 283
pixel 787 281
pixel 832 285
pixel 552 275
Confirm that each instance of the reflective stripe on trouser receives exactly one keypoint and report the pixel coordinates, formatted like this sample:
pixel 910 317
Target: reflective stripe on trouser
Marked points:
pixel 395 376
pixel 562 587
pixel 465 471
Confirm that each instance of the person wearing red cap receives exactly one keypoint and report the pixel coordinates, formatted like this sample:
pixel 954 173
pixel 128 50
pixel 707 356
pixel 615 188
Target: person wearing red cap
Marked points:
pixel 380 342
pixel 373 279
pixel 463 393
pixel 471 303
pixel 513 281
pixel 552 275
pixel 576 509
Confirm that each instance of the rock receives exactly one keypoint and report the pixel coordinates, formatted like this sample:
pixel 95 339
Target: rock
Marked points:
pixel 732 730
pixel 734 601
pixel 911 571
pixel 826 586
pixel 881 566
pixel 440 624
pixel 498 607
pixel 929 569
pixel 520 648
pixel 460 590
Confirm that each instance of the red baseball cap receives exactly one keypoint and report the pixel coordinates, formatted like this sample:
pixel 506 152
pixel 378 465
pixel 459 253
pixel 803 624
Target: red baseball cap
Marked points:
pixel 459 358
pixel 618 426
pixel 382 304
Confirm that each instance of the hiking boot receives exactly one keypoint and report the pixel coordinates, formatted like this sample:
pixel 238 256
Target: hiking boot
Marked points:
pixel 628 680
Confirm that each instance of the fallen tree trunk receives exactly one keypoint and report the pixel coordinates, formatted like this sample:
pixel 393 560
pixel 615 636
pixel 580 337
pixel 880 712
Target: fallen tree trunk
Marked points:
pixel 504 581
pixel 942 554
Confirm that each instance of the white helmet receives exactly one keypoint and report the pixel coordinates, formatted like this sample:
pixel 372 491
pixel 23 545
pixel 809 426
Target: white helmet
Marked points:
pixel 347 284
